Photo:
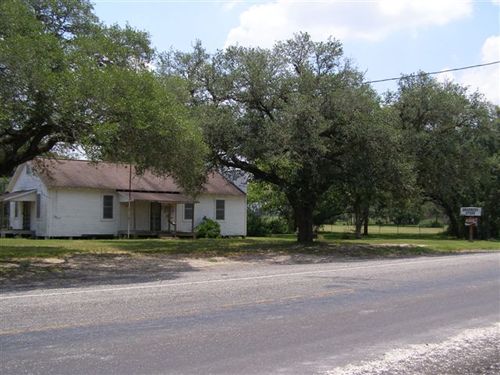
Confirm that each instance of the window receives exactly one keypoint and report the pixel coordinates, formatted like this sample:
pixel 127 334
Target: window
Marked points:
pixel 4 219
pixel 38 205
pixel 188 211
pixel 107 207
pixel 219 209
pixel 16 209
pixel 29 170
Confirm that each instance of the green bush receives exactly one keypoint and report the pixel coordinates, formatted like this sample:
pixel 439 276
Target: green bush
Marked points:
pixel 256 226
pixel 431 224
pixel 277 225
pixel 208 228
pixel 260 226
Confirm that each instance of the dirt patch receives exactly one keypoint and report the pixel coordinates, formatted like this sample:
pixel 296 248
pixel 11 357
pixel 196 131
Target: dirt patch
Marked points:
pixel 90 269
pixel 101 269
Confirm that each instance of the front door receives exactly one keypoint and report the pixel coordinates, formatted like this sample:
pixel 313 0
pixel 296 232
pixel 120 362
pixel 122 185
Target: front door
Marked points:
pixel 155 219
pixel 26 215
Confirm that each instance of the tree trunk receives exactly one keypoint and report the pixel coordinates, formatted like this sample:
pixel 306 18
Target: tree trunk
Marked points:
pixel 304 218
pixel 454 225
pixel 291 221
pixel 366 213
pixel 358 220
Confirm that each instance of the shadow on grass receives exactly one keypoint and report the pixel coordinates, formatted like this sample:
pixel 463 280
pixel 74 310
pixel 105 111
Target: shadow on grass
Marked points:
pixel 30 251
pixel 201 247
pixel 29 264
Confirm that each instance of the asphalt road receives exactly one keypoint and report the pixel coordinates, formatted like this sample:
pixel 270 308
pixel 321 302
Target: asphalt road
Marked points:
pixel 422 315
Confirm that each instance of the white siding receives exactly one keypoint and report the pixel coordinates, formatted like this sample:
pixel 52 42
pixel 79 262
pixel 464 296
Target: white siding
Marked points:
pixel 142 221
pixel 234 223
pixel 78 212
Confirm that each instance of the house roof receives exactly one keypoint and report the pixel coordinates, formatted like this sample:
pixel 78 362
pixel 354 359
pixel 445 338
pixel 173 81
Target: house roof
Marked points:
pixel 154 197
pixel 19 196
pixel 59 173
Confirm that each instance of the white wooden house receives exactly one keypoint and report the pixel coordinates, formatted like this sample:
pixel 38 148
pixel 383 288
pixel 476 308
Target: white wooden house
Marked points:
pixel 77 198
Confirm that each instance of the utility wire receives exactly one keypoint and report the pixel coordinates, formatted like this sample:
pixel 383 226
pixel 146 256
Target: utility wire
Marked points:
pixel 432 73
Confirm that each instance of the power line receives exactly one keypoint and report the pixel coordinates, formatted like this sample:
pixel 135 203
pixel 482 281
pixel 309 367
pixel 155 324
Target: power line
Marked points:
pixel 432 73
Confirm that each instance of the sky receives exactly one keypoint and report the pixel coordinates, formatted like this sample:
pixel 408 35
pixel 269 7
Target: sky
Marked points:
pixel 383 38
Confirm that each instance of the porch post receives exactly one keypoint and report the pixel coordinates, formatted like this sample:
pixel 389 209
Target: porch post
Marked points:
pixel 169 217
pixel 134 216
pixel 192 223
pixel 129 198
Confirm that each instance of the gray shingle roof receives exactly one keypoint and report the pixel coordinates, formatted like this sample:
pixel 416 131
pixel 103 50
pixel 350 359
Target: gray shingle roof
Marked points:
pixel 62 173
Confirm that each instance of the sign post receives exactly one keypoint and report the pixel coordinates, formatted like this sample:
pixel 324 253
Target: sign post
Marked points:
pixel 471 218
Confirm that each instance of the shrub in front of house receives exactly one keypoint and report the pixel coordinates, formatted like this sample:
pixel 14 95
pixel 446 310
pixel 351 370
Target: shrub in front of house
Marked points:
pixel 208 228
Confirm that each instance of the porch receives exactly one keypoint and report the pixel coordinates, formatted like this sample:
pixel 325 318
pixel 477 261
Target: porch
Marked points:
pixel 151 214
pixel 18 210
pixel 149 233
pixel 16 233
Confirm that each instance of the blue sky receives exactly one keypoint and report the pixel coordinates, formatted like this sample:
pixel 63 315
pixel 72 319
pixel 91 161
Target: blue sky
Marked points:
pixel 383 37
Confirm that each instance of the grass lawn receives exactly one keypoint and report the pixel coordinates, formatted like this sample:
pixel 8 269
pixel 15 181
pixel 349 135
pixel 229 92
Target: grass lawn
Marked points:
pixel 17 248
pixel 73 262
pixel 385 244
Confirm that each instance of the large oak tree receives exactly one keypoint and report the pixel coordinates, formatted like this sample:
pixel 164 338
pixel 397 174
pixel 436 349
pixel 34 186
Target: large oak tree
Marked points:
pixel 286 115
pixel 66 80
pixel 453 136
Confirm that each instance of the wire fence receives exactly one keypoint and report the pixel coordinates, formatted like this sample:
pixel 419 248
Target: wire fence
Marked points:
pixel 383 229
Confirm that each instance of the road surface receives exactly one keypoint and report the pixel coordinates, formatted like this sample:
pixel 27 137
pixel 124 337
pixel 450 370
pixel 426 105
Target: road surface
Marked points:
pixel 422 315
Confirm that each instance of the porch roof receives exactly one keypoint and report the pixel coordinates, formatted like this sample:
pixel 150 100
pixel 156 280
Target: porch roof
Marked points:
pixel 153 197
pixel 19 196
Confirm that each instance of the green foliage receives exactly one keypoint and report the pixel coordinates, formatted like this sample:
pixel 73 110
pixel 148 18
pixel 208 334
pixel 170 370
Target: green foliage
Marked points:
pixel 259 226
pixel 330 207
pixel 284 114
pixel 264 199
pixel 432 224
pixel 208 228
pixel 453 137
pixel 67 80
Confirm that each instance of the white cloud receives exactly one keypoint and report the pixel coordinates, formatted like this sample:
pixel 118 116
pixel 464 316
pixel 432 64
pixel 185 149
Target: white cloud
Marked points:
pixel 263 24
pixel 485 79
pixel 446 76
pixel 228 5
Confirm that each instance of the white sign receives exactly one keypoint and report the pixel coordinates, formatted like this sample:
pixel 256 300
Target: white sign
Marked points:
pixel 470 211
pixel 471 220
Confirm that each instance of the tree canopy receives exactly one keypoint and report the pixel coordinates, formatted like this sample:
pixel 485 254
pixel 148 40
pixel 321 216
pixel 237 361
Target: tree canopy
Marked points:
pixel 286 115
pixel 453 137
pixel 68 80
pixel 297 117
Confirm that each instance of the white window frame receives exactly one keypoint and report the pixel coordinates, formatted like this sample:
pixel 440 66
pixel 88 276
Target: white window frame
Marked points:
pixel 112 208
pixel 184 212
pixel 38 206
pixel 223 209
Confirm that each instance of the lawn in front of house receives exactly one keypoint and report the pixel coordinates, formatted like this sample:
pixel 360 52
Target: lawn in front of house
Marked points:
pixel 18 248
pixel 328 243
